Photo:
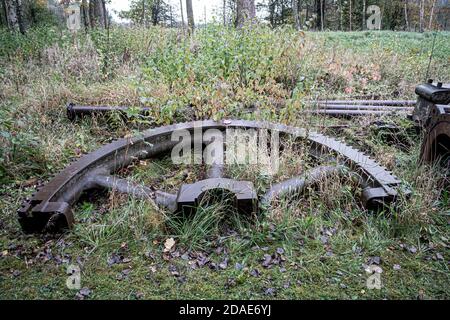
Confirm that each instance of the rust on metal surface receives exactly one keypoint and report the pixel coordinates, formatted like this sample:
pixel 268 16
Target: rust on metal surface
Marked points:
pixel 75 111
pixel 357 113
pixel 436 145
pixel 244 193
pixel 50 208
pixel 400 103
pixel 432 113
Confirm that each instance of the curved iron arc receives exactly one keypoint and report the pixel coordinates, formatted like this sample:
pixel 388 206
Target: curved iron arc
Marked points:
pixel 53 202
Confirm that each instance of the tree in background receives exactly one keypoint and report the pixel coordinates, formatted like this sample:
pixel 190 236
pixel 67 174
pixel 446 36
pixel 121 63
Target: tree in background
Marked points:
pixel 97 14
pixel 148 12
pixel 245 11
pixel 295 12
pixel 14 15
pixel 344 15
pixel 190 16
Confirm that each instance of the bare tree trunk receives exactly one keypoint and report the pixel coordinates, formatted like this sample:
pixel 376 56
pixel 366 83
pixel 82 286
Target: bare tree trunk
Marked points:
pixel 430 24
pixel 11 14
pixel 307 13
pixel 20 17
pixel 105 14
pixel 350 15
pixel 296 15
pixel 15 19
pixel 190 16
pixel 406 16
pixel 421 15
pixel 318 14
pixel 92 19
pixel 246 11
pixel 182 15
pixel 224 13
pixel 85 14
pixel 3 14
pixel 97 13
pixel 341 16
pixel 322 14
pixel 156 7
pixel 143 14
pixel 364 24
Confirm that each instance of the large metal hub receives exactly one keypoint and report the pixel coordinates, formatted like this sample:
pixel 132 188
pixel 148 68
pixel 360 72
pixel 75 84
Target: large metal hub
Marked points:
pixel 50 208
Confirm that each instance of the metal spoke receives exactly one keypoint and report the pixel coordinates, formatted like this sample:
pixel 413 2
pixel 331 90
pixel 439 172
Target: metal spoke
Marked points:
pixel 297 185
pixel 215 171
pixel 163 199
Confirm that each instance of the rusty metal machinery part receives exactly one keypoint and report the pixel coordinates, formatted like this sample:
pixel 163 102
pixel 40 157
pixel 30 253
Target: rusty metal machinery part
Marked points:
pixel 429 95
pixel 432 115
pixel 436 144
pixel 50 208
pixel 78 111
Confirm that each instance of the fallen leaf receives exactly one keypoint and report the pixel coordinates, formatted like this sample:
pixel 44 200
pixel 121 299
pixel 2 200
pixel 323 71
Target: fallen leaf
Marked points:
pixel 267 261
pixel 412 249
pixel 174 271
pixel 83 293
pixel 168 245
pixel 374 260
pixel 224 264
pixel 255 273
pixel 397 267
pixel 269 292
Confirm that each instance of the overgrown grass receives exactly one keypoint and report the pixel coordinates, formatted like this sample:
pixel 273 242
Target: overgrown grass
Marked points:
pixel 318 244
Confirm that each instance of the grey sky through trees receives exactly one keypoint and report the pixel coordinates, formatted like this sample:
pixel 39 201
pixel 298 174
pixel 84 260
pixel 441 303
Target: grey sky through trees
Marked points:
pixel 211 6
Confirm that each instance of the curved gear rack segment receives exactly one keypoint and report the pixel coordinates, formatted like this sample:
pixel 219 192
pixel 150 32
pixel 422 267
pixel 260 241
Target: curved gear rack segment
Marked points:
pixel 50 208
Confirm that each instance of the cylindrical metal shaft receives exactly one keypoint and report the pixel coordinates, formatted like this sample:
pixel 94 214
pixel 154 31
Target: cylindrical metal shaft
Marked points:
pixel 78 111
pixel 353 113
pixel 364 107
pixel 368 102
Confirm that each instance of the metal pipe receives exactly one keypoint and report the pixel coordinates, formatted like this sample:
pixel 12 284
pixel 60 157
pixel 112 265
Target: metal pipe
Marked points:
pixel 368 102
pixel 78 111
pixel 353 113
pixel 364 107
pixel 163 199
